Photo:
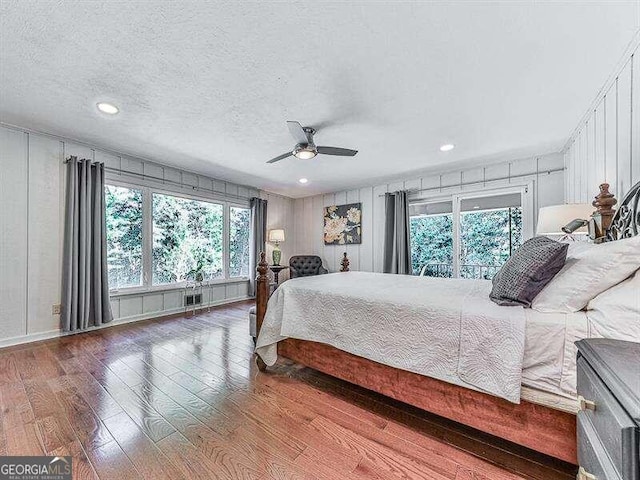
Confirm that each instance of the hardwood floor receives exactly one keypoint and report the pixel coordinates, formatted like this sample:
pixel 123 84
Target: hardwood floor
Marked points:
pixel 181 398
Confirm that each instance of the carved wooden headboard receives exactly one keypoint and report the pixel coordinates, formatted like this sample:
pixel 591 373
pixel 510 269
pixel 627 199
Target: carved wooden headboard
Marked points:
pixel 626 221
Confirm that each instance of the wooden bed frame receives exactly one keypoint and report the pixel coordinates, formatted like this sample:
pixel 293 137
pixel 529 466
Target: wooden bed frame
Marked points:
pixel 541 428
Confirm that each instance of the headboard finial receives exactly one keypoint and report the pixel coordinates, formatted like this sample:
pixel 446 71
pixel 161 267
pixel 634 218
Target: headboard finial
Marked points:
pixel 344 263
pixel 605 200
pixel 604 213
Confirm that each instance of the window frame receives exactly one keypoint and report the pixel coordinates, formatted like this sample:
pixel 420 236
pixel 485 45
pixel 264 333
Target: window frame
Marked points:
pixel 435 199
pixel 147 237
pixel 525 189
pixel 227 224
pixel 133 186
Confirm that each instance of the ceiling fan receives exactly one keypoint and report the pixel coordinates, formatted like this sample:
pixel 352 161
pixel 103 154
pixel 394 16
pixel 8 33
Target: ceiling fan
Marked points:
pixel 305 147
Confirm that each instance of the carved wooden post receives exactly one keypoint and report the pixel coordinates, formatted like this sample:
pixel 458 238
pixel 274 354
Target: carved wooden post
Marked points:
pixel 604 203
pixel 344 263
pixel 262 297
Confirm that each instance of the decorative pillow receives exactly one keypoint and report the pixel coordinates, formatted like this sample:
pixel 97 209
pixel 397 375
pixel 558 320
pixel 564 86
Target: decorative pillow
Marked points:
pixel 615 313
pixel 527 271
pixel 590 269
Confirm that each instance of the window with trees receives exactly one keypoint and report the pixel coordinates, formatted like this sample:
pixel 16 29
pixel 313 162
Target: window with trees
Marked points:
pixel 187 239
pixel 488 238
pixel 124 236
pixel 431 229
pixel 239 241
pixel 467 236
pixel 155 238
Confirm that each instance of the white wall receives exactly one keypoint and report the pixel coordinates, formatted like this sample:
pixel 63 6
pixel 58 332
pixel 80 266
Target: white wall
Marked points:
pixel 548 189
pixel 14 181
pixel 606 145
pixel 31 231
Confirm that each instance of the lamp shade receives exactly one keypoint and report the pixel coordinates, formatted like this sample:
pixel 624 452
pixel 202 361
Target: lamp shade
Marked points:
pixel 276 235
pixel 552 219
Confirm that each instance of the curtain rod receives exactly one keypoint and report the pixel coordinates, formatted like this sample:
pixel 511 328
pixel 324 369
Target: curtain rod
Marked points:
pixel 477 182
pixel 115 153
pixel 173 182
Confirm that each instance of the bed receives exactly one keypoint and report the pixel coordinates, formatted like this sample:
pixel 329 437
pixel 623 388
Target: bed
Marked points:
pixel 518 385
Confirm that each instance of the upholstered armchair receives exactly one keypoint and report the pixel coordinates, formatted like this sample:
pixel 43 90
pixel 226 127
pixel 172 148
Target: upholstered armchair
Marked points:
pixel 305 266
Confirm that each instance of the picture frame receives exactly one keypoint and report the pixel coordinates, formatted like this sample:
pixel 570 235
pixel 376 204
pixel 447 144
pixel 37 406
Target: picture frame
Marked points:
pixel 343 224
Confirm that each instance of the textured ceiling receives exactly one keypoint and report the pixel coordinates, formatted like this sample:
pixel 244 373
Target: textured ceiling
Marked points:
pixel 208 86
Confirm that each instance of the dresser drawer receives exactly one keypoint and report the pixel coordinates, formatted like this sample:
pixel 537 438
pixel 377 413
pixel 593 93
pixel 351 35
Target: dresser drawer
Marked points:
pixel 615 430
pixel 592 456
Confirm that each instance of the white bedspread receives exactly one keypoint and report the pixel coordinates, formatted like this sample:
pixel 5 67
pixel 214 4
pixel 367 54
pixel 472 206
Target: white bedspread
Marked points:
pixel 442 328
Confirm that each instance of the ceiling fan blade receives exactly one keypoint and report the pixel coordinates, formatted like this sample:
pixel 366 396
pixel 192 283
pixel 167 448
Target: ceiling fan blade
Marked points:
pixel 344 152
pixel 298 132
pixel 280 157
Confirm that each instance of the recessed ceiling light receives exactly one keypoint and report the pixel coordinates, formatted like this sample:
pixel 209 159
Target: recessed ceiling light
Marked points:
pixel 446 147
pixel 109 108
pixel 303 180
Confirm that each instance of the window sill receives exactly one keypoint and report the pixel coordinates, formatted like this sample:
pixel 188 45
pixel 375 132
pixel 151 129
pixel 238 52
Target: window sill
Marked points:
pixel 123 292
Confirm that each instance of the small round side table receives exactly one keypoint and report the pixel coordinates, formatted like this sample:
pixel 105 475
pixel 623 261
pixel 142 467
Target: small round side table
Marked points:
pixel 276 269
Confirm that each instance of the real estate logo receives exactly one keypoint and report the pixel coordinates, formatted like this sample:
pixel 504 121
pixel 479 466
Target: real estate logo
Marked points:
pixel 35 468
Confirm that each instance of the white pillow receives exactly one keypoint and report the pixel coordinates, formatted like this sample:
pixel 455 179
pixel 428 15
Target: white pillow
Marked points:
pixel 615 313
pixel 590 269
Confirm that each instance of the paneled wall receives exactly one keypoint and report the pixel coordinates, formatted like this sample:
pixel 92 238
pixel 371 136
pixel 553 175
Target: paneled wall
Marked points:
pixel 606 145
pixel 14 215
pixel 280 215
pixel 31 231
pixel 548 189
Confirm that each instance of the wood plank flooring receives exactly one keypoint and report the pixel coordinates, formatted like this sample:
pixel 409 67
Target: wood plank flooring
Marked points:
pixel 181 398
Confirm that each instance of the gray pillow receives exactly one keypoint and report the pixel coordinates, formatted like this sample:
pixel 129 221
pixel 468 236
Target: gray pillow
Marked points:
pixel 527 271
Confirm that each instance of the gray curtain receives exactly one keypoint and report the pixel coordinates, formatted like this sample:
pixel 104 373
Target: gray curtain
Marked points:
pixel 258 238
pixel 397 246
pixel 85 288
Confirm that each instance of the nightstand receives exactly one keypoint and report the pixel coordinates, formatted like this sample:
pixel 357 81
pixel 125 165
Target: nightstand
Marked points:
pixel 609 409
pixel 276 269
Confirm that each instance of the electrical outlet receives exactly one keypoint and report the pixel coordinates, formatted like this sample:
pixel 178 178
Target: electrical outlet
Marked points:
pixel 57 308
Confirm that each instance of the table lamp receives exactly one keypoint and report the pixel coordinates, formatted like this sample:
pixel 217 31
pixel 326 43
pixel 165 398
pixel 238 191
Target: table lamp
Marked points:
pixel 569 219
pixel 276 236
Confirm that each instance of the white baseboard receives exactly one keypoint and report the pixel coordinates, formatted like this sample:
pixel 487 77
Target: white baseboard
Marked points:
pixel 31 337
pixel 38 336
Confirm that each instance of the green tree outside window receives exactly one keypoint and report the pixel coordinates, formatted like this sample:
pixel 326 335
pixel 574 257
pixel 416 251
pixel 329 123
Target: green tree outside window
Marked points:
pixel 239 241
pixel 487 240
pixel 124 236
pixel 186 233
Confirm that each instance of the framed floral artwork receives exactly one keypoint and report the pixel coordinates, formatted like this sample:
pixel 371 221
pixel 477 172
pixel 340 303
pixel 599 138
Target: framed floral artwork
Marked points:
pixel 343 224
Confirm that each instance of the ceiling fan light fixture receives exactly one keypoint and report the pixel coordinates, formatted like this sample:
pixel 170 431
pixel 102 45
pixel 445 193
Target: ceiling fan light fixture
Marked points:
pixel 303 181
pixel 305 152
pixel 447 147
pixel 306 148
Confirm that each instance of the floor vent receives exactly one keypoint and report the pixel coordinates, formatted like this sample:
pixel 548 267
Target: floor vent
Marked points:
pixel 193 299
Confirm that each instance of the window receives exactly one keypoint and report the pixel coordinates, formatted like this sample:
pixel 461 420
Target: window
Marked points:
pixel 467 235
pixel 432 239
pixel 488 238
pixel 124 236
pixel 187 238
pixel 239 241
pixel 156 239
